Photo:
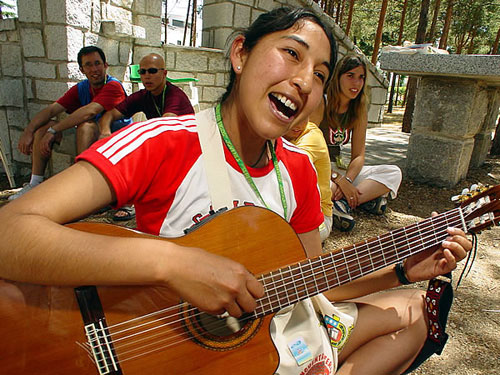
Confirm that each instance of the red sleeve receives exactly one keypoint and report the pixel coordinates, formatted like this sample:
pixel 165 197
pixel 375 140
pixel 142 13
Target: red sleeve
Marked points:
pixel 70 100
pixel 110 95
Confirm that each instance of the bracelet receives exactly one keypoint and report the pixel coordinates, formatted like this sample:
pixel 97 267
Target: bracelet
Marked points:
pixel 348 179
pixel 51 130
pixel 400 273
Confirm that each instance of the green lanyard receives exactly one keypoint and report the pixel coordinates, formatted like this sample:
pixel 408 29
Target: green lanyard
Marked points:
pixel 162 101
pixel 244 169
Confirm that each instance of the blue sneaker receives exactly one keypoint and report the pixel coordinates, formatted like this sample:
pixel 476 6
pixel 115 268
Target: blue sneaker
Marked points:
pixel 376 206
pixel 342 218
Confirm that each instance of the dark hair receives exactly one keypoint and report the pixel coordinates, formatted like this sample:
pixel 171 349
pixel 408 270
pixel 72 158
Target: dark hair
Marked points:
pixel 280 19
pixel 90 49
pixel 357 107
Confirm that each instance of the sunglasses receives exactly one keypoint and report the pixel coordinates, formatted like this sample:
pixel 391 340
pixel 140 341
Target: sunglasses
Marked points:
pixel 150 71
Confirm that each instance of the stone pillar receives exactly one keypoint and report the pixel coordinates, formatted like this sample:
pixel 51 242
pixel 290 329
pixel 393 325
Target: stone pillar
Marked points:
pixel 448 114
pixel 482 140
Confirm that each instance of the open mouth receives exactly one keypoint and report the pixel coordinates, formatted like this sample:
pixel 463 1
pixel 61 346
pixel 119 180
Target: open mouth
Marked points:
pixel 284 105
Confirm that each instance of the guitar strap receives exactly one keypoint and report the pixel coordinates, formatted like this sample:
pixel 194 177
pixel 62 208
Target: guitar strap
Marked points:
pixel 214 160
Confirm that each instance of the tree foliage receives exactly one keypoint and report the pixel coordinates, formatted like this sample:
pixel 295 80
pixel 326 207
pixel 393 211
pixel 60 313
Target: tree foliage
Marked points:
pixel 474 25
pixel 6 10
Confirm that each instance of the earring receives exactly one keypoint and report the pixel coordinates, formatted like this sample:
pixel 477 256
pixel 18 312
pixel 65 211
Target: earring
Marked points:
pixel 238 67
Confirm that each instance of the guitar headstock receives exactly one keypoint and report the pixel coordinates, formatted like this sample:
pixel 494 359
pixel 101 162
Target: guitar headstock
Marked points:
pixel 481 208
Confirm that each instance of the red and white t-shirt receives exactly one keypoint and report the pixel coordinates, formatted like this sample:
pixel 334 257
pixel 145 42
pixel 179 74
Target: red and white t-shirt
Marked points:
pixel 158 166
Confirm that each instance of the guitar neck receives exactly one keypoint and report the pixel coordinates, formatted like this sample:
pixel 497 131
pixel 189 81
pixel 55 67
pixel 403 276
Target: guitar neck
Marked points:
pixel 310 277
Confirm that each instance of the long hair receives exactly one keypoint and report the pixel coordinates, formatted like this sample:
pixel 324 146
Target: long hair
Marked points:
pixel 357 107
pixel 280 19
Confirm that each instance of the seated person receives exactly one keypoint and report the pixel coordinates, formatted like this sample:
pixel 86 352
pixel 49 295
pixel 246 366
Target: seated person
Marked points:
pixel 308 137
pixel 346 118
pixel 159 98
pixel 84 102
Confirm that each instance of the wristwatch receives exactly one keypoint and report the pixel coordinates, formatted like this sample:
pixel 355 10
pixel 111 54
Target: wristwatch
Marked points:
pixel 335 176
pixel 51 130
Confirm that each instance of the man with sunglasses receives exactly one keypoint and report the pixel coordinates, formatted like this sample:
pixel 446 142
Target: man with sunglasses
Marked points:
pixel 159 98
pixel 84 102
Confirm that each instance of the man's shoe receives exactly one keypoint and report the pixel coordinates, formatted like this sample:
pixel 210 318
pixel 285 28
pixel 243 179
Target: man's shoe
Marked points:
pixel 342 218
pixel 25 189
pixel 376 206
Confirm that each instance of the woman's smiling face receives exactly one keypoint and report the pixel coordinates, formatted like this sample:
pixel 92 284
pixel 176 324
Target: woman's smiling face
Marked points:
pixel 282 78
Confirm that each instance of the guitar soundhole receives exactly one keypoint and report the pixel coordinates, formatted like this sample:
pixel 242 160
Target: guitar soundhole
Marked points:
pixel 219 333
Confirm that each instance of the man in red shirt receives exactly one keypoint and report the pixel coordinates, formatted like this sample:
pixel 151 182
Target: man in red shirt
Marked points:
pixel 84 102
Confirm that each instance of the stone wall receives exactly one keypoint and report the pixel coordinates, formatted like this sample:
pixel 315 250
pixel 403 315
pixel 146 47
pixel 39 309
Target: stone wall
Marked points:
pixel 38 57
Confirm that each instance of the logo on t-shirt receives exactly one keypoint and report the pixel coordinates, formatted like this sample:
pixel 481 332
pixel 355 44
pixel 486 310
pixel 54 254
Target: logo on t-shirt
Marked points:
pixel 321 365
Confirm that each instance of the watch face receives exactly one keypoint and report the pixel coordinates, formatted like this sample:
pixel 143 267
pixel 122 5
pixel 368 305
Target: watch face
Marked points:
pixel 335 175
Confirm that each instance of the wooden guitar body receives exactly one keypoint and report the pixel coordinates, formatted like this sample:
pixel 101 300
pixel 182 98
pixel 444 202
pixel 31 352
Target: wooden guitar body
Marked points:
pixel 42 325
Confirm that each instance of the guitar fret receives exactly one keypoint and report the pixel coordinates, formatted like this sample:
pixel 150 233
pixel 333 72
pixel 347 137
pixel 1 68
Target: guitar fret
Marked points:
pixel 325 277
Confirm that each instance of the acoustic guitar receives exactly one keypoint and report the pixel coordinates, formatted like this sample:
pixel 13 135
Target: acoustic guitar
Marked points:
pixel 147 330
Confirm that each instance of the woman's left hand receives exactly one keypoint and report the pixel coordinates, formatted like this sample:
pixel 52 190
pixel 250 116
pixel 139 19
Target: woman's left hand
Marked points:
pixel 435 262
pixel 350 192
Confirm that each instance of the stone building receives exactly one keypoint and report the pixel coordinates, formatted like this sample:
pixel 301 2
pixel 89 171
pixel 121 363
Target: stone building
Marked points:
pixel 38 57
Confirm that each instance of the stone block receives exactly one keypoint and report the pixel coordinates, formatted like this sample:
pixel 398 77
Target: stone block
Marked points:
pixel 437 160
pixel 266 5
pixel 11 92
pixel 152 25
pixel 116 28
pixel 493 95
pixel 206 38
pixel 191 62
pixel 482 144
pixel 17 118
pixel 206 79
pixel 218 15
pixel 4 134
pixel 75 13
pixel 111 50
pixel 170 59
pixel 375 113
pixel 96 17
pixel 248 3
pixel 63 42
pixel 71 71
pixel 39 70
pixel 123 3
pixel 118 71
pixel 218 63
pixel 445 106
pixel 90 39
pixel 221 38
pixel 212 94
pixel 11 60
pixel 8 24
pixel 51 90
pixel 255 14
pixel 378 95
pixel 68 143
pixel 29 11
pixel 113 13
pixel 32 42
pixel 125 53
pixel 150 7
pixel 241 16
pixel 220 80
pixel 28 84
pixel 138 32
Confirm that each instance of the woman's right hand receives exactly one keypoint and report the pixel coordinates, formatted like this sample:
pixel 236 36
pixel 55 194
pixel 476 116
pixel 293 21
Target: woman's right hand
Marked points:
pixel 213 283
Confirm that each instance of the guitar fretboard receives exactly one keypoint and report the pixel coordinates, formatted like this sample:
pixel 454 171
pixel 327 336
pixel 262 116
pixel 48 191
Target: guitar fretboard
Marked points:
pixel 310 277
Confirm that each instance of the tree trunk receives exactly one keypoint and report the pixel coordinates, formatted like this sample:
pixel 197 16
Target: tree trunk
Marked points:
pixel 494 50
pixel 391 95
pixel 342 8
pixel 402 23
pixel 412 82
pixel 378 36
pixel 186 24
pixel 192 42
pixel 495 146
pixel 446 28
pixel 432 31
pixel 337 13
pixel 470 50
pixel 349 17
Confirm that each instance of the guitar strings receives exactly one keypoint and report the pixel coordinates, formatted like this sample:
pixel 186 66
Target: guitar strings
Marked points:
pixel 290 276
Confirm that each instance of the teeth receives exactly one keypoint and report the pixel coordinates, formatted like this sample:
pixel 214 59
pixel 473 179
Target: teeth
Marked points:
pixel 287 102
